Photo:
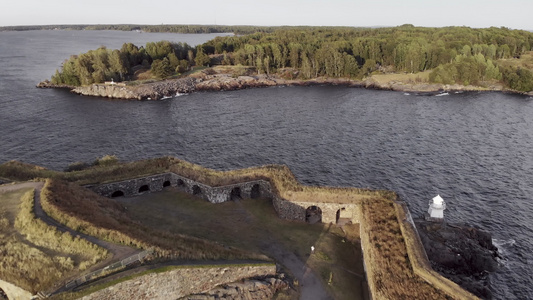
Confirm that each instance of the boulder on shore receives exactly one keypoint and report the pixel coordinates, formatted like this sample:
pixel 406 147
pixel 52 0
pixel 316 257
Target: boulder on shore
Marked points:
pixel 460 253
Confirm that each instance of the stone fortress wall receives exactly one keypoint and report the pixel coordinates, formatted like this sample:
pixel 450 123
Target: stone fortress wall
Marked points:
pixel 289 210
pixel 293 210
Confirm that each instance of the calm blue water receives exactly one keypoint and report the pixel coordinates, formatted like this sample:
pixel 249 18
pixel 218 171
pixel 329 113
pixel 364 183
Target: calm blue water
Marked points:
pixel 474 149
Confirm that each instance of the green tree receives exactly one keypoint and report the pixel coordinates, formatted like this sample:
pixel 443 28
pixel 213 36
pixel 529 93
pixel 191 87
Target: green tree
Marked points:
pixel 173 60
pixel 119 64
pixel 161 68
pixel 201 59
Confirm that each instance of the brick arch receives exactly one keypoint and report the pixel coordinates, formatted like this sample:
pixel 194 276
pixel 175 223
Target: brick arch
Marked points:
pixel 313 214
pixel 117 193
pixel 196 190
pixel 144 188
pixel 180 183
pixel 235 193
pixel 166 183
pixel 256 191
pixel 3 294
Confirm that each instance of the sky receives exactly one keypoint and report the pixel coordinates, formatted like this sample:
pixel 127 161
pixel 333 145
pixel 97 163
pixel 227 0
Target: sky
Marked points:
pixel 515 14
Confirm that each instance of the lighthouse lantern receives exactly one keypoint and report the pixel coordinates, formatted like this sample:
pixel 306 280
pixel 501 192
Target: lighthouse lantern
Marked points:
pixel 436 208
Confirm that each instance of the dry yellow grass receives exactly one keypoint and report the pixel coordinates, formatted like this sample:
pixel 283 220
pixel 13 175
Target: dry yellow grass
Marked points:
pixel 389 254
pixel 388 265
pixel 90 213
pixel 421 77
pixel 420 263
pixel 525 61
pixel 34 255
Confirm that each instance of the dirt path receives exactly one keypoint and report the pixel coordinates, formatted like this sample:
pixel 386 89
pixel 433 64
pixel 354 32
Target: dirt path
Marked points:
pixel 118 252
pixel 311 287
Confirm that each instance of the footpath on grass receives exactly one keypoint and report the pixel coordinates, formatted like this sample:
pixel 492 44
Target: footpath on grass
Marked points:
pixel 118 252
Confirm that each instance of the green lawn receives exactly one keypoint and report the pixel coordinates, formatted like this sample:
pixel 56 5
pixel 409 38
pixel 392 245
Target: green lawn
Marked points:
pixel 252 224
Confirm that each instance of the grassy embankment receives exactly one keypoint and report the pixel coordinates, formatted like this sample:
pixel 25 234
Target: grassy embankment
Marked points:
pixel 252 224
pixel 97 287
pixel 389 268
pixel 34 255
pixel 90 213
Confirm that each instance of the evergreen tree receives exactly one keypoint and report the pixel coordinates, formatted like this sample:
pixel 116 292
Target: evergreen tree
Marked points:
pixel 161 68
pixel 201 58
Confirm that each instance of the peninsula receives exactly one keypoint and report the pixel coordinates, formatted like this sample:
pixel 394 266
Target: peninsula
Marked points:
pixel 404 58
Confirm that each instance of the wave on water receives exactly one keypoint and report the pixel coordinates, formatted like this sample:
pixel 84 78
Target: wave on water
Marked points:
pixel 442 94
pixel 406 94
pixel 503 245
pixel 179 94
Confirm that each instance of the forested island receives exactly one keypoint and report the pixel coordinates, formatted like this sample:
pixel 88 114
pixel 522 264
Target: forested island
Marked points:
pixel 488 59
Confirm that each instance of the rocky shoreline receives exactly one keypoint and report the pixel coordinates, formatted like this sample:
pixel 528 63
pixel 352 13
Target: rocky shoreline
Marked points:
pixel 203 81
pixel 460 253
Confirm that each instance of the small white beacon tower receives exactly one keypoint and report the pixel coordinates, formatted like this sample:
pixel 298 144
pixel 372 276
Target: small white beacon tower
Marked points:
pixel 436 208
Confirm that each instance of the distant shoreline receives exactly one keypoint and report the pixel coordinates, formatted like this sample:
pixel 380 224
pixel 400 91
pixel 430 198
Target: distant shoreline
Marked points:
pixel 220 81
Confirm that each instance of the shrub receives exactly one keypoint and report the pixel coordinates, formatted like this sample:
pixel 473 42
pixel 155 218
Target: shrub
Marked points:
pixel 77 166
pixel 106 160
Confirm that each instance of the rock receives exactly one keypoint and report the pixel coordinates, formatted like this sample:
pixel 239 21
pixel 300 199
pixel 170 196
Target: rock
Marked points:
pixel 463 254
pixel 250 289
pixel 148 91
pixel 47 85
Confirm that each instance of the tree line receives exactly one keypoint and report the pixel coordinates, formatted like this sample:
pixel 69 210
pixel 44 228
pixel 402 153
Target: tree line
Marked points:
pixel 456 54
pixel 237 29
pixel 164 58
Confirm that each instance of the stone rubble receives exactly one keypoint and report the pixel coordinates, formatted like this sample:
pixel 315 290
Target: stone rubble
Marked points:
pixel 249 289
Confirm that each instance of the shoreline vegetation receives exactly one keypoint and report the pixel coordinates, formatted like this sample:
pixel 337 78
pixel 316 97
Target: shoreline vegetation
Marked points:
pixel 404 58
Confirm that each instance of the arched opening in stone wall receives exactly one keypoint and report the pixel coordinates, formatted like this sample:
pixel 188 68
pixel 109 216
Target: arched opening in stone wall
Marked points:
pixel 166 183
pixel 144 188
pixel 235 194
pixel 255 192
pixel 180 183
pixel 313 214
pixel 196 190
pixel 117 194
pixel 3 295
pixel 340 220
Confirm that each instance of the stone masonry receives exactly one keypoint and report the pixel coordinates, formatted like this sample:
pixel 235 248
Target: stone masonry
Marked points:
pixel 289 210
pixel 180 282
pixel 292 210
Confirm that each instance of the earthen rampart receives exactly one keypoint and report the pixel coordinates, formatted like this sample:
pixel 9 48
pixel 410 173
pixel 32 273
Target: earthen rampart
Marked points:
pixel 180 282
pixel 322 211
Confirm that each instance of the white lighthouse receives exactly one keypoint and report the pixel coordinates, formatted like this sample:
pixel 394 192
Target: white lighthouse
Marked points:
pixel 436 208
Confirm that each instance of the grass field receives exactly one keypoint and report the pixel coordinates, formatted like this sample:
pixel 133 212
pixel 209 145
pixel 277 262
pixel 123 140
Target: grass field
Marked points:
pixel 107 219
pixel 254 225
pixel 421 77
pixel 525 61
pixel 35 256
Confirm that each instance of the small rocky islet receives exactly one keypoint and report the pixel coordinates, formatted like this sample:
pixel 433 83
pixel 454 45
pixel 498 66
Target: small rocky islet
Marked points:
pixel 461 253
